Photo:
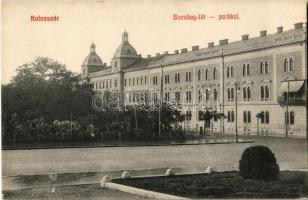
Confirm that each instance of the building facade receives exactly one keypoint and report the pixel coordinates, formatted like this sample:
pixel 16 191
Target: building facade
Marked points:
pixel 259 84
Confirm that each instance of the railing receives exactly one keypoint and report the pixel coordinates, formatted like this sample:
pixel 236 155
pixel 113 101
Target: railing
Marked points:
pixel 292 100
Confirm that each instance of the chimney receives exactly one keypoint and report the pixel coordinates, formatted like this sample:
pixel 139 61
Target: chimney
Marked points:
pixel 165 52
pixel 148 56
pixel 263 33
pixel 194 48
pixel 184 50
pixel 280 29
pixel 157 54
pixel 210 44
pixel 298 25
pixel 245 37
pixel 176 51
pixel 224 41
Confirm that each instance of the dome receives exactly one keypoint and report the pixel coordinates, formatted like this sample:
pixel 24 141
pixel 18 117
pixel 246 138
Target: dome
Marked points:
pixel 92 58
pixel 125 49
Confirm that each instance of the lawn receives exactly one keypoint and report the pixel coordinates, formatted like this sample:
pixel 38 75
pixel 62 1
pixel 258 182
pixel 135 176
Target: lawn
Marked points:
pixel 290 184
pixel 89 192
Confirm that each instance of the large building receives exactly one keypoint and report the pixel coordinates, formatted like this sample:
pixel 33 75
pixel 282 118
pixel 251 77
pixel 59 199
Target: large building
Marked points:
pixel 259 83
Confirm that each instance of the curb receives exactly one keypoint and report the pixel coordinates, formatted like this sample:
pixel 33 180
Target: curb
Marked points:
pixel 141 192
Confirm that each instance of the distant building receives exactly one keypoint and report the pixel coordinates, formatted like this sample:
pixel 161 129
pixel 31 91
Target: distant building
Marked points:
pixel 267 71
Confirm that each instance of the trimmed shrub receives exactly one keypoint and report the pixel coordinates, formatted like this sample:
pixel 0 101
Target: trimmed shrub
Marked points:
pixel 258 162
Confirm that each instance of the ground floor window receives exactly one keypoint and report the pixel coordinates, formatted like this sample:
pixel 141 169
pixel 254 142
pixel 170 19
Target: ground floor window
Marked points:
pixel 230 116
pixel 289 117
pixel 265 117
pixel 247 117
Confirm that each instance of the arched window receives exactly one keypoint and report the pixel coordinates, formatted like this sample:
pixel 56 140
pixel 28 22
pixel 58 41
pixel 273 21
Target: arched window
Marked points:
pixel 244 117
pixel 214 73
pixel 199 75
pixel 215 95
pixel 228 72
pixel 229 94
pixel 244 93
pixel 292 118
pixel 261 68
pixel 291 64
pixel 266 93
pixel 285 65
pixel 244 70
pixel 266 70
pixel 206 74
pixel 248 70
pixel 231 74
pixel 266 117
pixel 262 92
pixel 249 117
pixel 232 94
pixel 200 95
pixel 248 93
pixel 207 95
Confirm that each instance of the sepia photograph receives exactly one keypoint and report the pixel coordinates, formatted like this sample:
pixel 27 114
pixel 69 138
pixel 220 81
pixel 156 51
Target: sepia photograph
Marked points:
pixel 166 99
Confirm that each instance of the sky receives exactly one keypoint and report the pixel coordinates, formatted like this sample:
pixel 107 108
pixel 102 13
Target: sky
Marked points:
pixel 150 26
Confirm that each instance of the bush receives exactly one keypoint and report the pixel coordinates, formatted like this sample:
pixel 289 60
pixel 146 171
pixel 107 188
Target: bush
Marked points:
pixel 258 162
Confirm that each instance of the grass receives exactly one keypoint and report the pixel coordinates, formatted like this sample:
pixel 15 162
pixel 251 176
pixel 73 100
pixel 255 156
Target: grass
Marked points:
pixel 290 184
pixel 78 192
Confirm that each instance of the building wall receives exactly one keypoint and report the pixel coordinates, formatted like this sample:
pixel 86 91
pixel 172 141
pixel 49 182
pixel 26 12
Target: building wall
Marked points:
pixel 197 68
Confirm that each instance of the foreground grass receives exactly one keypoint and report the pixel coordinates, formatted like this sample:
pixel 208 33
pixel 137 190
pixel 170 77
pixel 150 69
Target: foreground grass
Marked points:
pixel 78 192
pixel 225 185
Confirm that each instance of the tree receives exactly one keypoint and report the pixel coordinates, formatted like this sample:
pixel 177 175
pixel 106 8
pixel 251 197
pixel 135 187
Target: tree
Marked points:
pixel 43 89
pixel 258 162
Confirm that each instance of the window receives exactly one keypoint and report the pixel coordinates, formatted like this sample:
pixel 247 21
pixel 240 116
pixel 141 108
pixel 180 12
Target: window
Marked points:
pixel 207 96
pixel 199 75
pixel 247 117
pixel 155 80
pixel 188 115
pixel 199 95
pixel 215 95
pixel 246 94
pixel 137 80
pixel 188 76
pixel 167 96
pixel 133 81
pixel 291 67
pixel 265 117
pixel 230 94
pixel 246 70
pixel 231 71
pixel 115 83
pixel 177 78
pixel 125 82
pixel 289 118
pixel 141 80
pixel 230 116
pixel 129 81
pixel 177 97
pixel 103 84
pixel 167 78
pixel 285 65
pixel 188 96
pixel 266 70
pixel 264 93
pixel 145 80
pixel 206 74
pixel 214 73
pixel 228 72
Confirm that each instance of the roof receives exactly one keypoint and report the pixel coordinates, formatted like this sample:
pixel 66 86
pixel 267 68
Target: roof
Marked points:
pixel 143 63
pixel 92 59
